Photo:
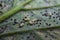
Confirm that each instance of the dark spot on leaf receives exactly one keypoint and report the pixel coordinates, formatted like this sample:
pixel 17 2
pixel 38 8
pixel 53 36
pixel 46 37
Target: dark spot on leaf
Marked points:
pixel 33 36
pixel 45 10
pixel 45 14
pixel 53 17
pixel 25 17
pixel 54 12
pixel 57 23
pixel 15 21
pixel 28 37
pixel 53 20
pixel 49 24
pixel 46 36
pixel 46 24
pixel 11 19
pixel 40 23
pixel 0 5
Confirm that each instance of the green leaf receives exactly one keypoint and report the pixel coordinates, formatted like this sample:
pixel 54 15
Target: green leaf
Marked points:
pixel 13 11
pixel 45 22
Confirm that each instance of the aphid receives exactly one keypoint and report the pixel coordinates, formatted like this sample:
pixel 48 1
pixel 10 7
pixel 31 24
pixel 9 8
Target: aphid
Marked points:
pixel 26 19
pixel 28 6
pixel 34 20
pixel 50 14
pixel 31 22
pixel 21 25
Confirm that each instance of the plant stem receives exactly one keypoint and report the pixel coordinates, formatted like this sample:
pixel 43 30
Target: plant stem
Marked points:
pixel 27 30
pixel 25 9
pixel 13 11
